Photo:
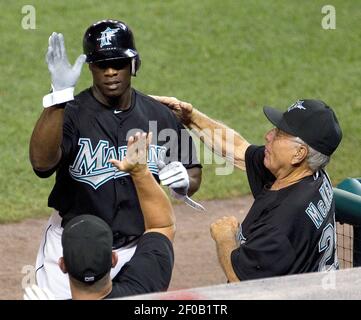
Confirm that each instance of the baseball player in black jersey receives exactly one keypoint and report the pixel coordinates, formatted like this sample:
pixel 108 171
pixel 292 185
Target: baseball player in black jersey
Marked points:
pixel 76 136
pixel 87 242
pixel 290 227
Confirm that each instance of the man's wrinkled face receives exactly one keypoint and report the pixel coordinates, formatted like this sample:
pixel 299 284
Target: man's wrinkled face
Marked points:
pixel 280 149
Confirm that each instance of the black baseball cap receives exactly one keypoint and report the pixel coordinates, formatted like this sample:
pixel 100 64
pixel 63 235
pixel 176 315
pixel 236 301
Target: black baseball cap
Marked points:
pixel 311 120
pixel 87 248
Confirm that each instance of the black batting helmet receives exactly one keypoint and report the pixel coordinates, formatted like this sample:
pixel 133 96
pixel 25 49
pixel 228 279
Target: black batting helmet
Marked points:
pixel 110 39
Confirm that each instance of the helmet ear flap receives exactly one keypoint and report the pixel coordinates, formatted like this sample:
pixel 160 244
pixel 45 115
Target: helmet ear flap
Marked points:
pixel 135 64
pixel 133 69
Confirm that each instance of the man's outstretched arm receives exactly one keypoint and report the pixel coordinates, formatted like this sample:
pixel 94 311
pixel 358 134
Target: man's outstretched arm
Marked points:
pixel 156 207
pixel 221 139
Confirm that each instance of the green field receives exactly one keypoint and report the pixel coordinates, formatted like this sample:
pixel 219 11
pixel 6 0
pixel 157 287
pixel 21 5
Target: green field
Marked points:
pixel 229 58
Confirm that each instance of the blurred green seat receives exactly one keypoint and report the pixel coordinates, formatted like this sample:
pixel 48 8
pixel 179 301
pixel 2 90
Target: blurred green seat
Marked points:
pixel 348 210
pixel 348 201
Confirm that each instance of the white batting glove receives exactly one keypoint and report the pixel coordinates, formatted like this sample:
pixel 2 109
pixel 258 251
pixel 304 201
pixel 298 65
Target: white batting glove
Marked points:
pixel 36 293
pixel 175 176
pixel 63 75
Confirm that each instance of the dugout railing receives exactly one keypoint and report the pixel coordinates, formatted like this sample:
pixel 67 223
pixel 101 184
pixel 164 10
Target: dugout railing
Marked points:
pixel 348 216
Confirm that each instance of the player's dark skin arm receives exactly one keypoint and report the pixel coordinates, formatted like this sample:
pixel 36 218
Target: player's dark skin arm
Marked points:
pixel 195 179
pixel 45 151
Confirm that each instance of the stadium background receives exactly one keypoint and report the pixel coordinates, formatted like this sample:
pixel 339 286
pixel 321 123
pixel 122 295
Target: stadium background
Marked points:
pixel 228 58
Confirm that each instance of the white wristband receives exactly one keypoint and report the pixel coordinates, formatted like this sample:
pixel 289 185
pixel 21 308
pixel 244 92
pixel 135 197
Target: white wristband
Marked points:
pixel 58 97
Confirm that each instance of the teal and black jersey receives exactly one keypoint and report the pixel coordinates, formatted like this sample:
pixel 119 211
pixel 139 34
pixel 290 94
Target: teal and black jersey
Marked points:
pixel 86 183
pixel 288 231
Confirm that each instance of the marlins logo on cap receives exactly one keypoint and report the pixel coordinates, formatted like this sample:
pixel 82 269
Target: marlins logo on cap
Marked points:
pixel 106 36
pixel 311 120
pixel 108 40
pixel 298 104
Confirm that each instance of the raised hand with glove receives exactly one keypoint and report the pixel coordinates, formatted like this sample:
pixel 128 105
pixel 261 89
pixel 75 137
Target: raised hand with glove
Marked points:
pixel 63 76
pixel 45 151
pixel 175 176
